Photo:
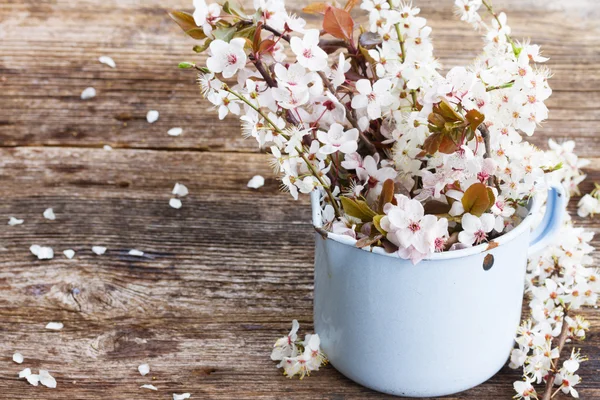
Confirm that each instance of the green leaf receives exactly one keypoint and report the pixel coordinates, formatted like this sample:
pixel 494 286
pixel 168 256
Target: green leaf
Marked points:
pixel 187 23
pixel 185 65
pixel 358 209
pixel 225 33
pixel 476 199
pixel 247 32
pixel 447 111
pixel 201 48
pixel 233 9
pixel 377 223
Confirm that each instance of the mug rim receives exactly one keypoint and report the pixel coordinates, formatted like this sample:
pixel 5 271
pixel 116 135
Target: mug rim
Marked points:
pixel 315 199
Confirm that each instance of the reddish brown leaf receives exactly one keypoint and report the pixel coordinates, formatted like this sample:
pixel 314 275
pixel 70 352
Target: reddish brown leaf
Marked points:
pixel 338 23
pixel 476 199
pixel 447 145
pixel 368 241
pixel 436 207
pixel 266 46
pixel 187 23
pixel 432 143
pixel 387 194
pixel 475 118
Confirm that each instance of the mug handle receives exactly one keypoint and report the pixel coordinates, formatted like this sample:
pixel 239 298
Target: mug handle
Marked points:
pixel 552 221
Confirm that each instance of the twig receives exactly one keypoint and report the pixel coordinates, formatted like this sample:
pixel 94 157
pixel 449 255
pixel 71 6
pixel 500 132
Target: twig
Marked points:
pixel 276 32
pixel 503 86
pixel 485 134
pixel 562 339
pixel 260 67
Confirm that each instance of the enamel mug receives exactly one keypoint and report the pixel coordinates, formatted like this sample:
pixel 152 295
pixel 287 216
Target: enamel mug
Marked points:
pixel 436 328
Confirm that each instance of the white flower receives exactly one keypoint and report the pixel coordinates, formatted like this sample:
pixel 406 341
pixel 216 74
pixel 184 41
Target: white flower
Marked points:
pixel 417 235
pixel 338 75
pixel 256 182
pixel 99 250
pixel 54 326
pixel 475 229
pixel 181 396
pixel 206 15
pixel 286 346
pixel 149 387
pixel 175 131
pixel 225 101
pixel 308 52
pixel 49 214
pixel 227 58
pixel 88 93
pixel 144 369
pixel 525 390
pixel 588 205
pixel 567 380
pixel 467 10
pixel 107 61
pixel 312 352
pixel 15 221
pixel 336 139
pixel 152 116
pixel 136 253
pixel 373 98
pixel 180 190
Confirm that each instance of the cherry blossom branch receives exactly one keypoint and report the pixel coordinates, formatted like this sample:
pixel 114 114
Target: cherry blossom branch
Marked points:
pixel 260 67
pixel 413 94
pixel 311 167
pixel 562 339
pixel 485 134
pixel 490 9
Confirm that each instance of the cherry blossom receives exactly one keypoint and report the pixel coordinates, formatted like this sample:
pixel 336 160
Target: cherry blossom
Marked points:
pixel 373 97
pixel 336 139
pixel 205 16
pixel 308 52
pixel 475 229
pixel 227 58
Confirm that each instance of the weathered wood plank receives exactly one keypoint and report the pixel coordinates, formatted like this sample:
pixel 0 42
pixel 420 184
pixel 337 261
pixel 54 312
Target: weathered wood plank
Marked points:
pixel 202 307
pixel 49 51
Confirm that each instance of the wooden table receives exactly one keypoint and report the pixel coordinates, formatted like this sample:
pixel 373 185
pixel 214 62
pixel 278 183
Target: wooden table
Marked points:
pixel 222 277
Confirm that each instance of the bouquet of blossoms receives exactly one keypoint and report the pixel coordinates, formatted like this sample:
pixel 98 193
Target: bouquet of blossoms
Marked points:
pixel 407 158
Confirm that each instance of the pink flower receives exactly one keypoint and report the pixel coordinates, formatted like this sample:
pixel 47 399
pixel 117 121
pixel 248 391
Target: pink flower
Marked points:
pixel 475 229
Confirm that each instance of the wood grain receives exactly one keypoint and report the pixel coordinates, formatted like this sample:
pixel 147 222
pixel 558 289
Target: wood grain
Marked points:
pixel 49 52
pixel 225 275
